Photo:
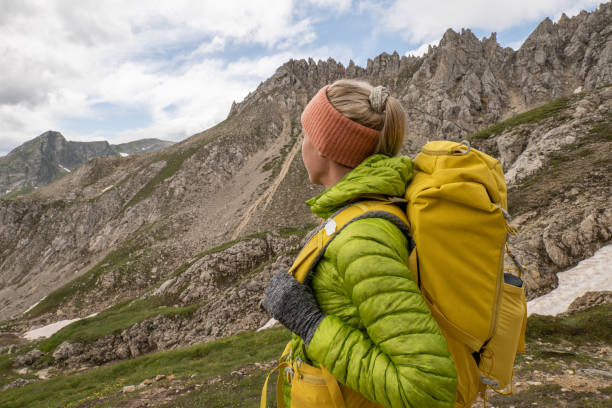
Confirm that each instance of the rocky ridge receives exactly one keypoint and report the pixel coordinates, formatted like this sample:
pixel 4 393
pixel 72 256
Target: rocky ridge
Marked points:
pixel 464 83
pixel 133 228
pixel 49 156
pixel 223 287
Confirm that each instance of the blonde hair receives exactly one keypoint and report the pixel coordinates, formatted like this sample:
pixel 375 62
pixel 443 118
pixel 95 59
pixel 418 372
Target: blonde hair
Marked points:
pixel 352 99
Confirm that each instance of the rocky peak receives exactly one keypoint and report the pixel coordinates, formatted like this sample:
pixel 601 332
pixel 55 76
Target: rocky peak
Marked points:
pixel 48 137
pixel 490 45
pixel 452 38
pixel 384 65
pixel 564 19
pixel 52 135
pixel 560 57
pixel 449 36
pixel 50 156
pixel 465 83
pixel 546 27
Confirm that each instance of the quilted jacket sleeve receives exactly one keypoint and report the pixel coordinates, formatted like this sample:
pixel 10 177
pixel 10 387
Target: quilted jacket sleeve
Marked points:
pixel 389 347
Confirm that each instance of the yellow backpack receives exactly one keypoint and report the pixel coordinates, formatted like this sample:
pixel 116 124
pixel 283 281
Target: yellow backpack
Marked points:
pixel 457 210
pixel 456 214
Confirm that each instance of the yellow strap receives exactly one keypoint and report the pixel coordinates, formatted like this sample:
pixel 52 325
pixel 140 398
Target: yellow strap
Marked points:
pixel 279 385
pixel 414 266
pixel 334 389
pixel 286 351
pixel 303 262
pixel 521 344
pixel 264 390
pixel 280 401
pixel 310 251
pixel 362 206
pixel 484 397
pixel 502 392
pixel 307 252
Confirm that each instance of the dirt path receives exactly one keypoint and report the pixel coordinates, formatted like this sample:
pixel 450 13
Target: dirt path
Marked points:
pixel 269 193
pixel 272 189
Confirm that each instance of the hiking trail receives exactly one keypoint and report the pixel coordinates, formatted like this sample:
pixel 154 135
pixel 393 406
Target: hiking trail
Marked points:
pixel 269 193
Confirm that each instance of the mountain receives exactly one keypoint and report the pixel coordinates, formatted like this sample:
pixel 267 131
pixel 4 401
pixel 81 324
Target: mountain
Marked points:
pixel 141 146
pixel 49 156
pixel 176 246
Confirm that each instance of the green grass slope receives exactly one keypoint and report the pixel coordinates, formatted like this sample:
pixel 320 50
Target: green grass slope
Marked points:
pixel 205 361
pixel 226 373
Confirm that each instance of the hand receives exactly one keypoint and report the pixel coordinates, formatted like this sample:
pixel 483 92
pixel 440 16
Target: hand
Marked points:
pixel 293 304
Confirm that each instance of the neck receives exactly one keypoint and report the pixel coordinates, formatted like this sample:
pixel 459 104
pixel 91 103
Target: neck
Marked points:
pixel 335 174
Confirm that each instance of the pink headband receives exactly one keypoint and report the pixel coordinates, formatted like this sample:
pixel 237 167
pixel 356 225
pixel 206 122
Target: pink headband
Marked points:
pixel 334 135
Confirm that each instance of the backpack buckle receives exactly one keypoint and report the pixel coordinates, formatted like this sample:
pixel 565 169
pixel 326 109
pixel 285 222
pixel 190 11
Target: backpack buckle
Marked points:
pixel 505 213
pixel 465 144
pixel 289 374
pixel 489 381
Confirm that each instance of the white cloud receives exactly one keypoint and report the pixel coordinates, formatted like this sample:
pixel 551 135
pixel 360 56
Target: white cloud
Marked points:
pixel 202 94
pixel 60 59
pixel 515 45
pixel 66 57
pixel 339 6
pixel 215 45
pixel 425 21
pixel 422 49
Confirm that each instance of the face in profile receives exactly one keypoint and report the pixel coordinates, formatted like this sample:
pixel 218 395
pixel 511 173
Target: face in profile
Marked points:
pixel 314 162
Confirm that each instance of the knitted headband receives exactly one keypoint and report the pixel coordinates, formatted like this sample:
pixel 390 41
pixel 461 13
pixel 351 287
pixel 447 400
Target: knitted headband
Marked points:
pixel 334 135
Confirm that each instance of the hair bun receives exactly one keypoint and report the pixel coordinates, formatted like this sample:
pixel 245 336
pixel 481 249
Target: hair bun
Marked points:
pixel 378 98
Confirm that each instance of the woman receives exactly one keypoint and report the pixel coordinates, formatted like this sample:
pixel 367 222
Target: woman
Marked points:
pixel 360 314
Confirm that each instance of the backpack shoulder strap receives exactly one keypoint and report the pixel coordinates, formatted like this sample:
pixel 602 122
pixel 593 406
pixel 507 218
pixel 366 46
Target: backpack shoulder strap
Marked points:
pixel 307 259
pixel 313 251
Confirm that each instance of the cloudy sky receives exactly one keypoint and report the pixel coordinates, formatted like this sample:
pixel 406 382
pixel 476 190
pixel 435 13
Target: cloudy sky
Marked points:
pixel 125 70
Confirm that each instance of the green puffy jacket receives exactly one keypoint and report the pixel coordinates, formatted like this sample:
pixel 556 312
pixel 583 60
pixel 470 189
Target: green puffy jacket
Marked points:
pixel 379 336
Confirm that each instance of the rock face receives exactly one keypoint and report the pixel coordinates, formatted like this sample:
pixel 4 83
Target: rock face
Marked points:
pixel 141 146
pixel 229 284
pixel 558 174
pixel 49 156
pixel 464 83
pixel 206 221
pixel 29 358
pixel 589 300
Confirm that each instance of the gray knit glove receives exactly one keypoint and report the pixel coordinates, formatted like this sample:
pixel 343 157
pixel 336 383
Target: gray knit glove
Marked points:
pixel 293 304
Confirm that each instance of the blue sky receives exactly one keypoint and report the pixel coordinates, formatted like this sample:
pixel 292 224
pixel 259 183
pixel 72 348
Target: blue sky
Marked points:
pixel 122 71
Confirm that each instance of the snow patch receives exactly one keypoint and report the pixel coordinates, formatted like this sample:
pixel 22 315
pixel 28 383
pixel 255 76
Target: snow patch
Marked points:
pixel 268 324
pixel 63 168
pixel 34 305
pixel 123 154
pixel 108 188
pixel 162 289
pixel 591 274
pixel 50 329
